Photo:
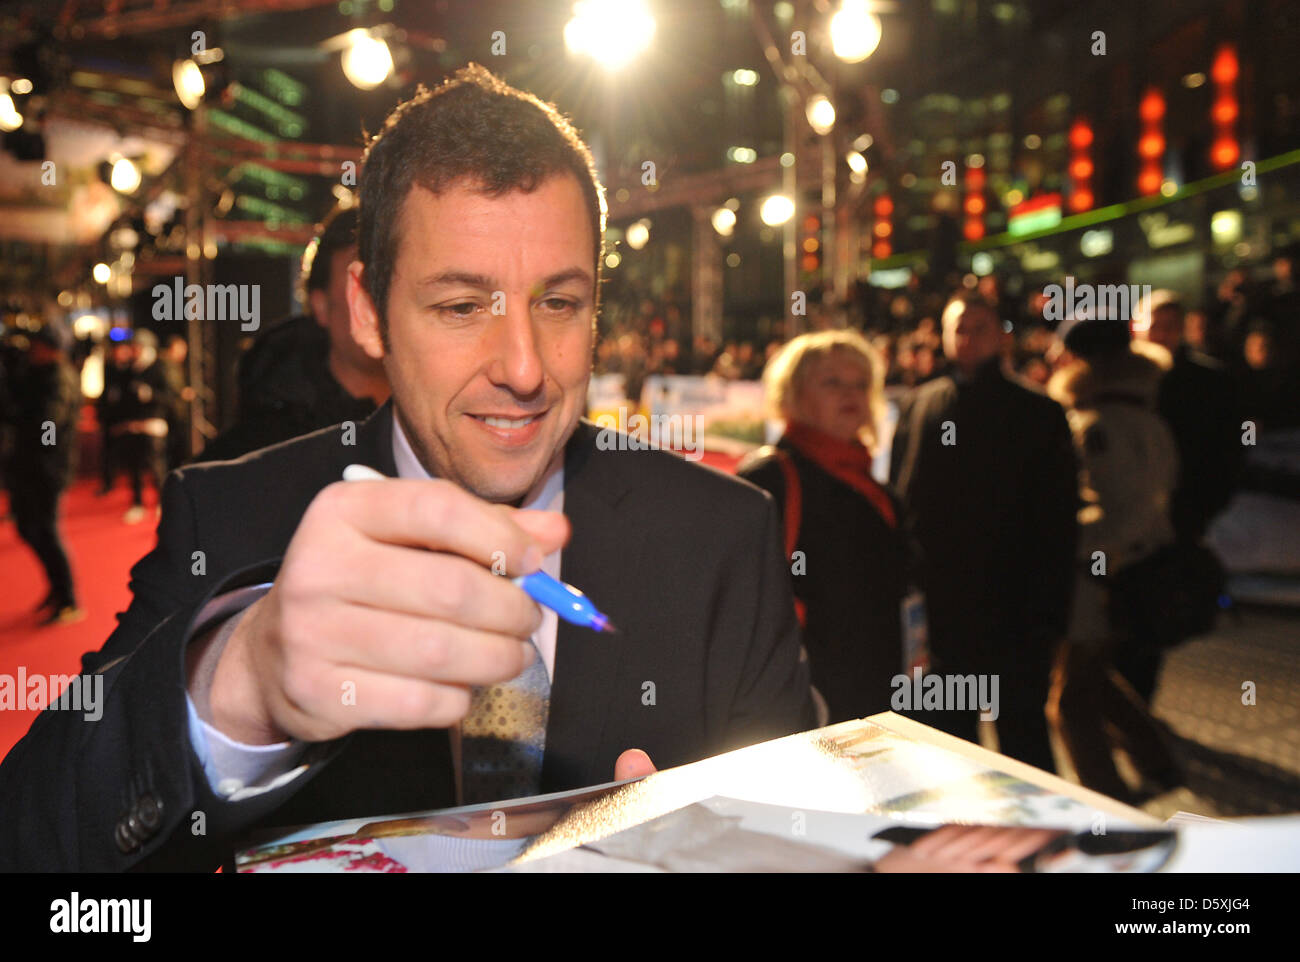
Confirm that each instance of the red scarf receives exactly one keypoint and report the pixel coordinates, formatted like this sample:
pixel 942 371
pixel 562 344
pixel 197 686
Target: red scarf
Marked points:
pixel 847 461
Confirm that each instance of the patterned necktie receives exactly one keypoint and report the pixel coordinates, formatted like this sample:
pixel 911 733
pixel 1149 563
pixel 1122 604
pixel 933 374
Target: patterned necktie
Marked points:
pixel 504 736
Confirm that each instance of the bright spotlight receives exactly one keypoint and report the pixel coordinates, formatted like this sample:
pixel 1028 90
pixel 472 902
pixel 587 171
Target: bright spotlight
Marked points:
pixel 612 32
pixel 776 210
pixel 821 114
pixel 10 118
pixel 187 78
pixel 855 32
pixel 125 177
pixel 101 273
pixel 857 163
pixel 724 221
pixel 638 235
pixel 367 61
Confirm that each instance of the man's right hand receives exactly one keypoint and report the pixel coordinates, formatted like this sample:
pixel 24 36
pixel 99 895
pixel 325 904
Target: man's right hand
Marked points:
pixel 385 612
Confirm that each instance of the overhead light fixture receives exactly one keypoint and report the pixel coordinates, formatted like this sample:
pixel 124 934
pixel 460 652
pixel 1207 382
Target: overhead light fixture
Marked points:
pixel 125 178
pixel 367 60
pixel 192 76
pixel 611 32
pixel 776 210
pixel 10 118
pixel 821 114
pixel 638 235
pixel 855 31
pixel 188 81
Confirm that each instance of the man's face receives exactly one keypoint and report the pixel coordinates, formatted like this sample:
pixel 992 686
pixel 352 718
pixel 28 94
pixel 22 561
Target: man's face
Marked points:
pixel 972 335
pixel 489 329
pixel 1165 329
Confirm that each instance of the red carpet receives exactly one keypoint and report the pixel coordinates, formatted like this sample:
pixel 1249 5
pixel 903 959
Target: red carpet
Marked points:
pixel 102 548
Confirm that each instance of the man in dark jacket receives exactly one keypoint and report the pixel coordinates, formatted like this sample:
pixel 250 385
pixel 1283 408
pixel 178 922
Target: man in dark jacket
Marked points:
pixel 46 399
pixel 299 649
pixel 118 355
pixel 141 427
pixel 306 372
pixel 1198 400
pixel 986 469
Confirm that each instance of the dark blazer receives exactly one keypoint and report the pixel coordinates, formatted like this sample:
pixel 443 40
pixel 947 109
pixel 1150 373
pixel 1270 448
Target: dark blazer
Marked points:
pixel 685 560
pixel 852 588
pixel 1198 399
pixel 993 514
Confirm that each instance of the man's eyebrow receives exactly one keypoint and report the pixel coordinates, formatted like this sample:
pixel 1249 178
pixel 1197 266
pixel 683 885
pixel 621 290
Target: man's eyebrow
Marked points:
pixel 457 277
pixel 566 277
pixel 486 283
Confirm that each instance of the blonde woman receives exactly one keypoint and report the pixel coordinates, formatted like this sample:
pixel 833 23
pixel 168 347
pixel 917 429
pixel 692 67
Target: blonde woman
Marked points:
pixel 843 536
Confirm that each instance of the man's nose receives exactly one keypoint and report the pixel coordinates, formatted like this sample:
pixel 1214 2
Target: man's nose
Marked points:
pixel 516 363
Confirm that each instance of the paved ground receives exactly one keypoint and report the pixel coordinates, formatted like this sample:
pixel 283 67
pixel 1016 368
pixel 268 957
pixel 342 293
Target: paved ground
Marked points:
pixel 1240 759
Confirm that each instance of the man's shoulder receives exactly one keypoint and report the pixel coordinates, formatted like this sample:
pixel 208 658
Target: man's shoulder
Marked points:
pixel 660 475
pixel 928 396
pixel 1031 397
pixel 308 461
pixel 1194 368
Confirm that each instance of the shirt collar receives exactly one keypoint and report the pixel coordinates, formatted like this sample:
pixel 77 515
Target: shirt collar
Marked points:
pixel 546 495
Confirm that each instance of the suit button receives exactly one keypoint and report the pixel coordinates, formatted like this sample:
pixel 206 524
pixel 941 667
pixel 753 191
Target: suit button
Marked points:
pixel 149 811
pixel 125 839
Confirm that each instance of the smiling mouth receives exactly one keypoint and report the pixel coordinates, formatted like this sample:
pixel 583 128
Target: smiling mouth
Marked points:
pixel 505 423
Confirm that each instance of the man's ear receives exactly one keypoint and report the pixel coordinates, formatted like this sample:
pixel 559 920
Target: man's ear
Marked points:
pixel 361 311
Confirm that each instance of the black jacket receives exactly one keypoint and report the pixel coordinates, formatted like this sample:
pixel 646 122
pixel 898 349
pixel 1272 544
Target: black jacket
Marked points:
pixel 286 390
pixel 686 561
pixel 44 395
pixel 1198 399
pixel 992 513
pixel 852 585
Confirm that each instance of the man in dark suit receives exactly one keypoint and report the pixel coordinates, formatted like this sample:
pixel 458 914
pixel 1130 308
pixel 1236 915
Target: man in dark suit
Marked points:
pixel 1198 400
pixel 299 650
pixel 986 469
pixel 304 373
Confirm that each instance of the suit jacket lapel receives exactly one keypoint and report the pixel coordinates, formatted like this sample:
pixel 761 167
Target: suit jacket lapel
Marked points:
pixel 375 441
pixel 600 560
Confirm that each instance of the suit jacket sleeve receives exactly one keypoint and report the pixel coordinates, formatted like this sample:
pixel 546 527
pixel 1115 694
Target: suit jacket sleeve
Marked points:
pixel 123 790
pixel 771 694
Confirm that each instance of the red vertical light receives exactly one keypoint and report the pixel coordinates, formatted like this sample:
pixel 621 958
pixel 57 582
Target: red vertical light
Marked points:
pixel 1151 144
pixel 974 205
pixel 883 228
pixel 1081 166
pixel 1225 150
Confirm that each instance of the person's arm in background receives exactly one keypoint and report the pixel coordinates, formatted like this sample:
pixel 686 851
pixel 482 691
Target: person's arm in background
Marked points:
pixel 1051 502
pixel 902 445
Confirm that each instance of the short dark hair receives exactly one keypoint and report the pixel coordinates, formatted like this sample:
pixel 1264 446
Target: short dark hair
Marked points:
pixel 473 126
pixel 338 232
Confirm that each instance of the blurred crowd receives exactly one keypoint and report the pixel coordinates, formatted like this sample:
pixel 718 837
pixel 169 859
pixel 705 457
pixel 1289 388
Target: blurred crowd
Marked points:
pixel 1248 324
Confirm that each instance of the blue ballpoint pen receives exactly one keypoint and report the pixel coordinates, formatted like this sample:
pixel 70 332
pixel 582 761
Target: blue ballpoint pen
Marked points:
pixel 565 600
